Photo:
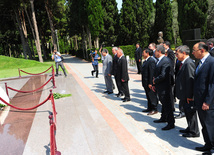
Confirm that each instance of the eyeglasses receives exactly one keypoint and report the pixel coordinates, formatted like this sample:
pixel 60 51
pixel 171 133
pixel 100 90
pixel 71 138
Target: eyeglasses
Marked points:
pixel 195 50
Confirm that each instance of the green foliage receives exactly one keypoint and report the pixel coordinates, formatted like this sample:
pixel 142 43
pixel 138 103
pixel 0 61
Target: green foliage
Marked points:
pixel 127 50
pixel 58 95
pixel 163 19
pixel 95 16
pixel 210 21
pixel 192 14
pixel 128 24
pixel 2 106
pixel 110 18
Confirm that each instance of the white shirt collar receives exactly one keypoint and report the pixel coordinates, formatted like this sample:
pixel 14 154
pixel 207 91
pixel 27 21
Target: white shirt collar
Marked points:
pixel 204 58
pixel 147 58
pixel 184 60
pixel 159 59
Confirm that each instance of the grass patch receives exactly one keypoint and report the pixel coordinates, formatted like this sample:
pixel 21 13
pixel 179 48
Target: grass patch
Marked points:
pixel 9 66
pixel 58 95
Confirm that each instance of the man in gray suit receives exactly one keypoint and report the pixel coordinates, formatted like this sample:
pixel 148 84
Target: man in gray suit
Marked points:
pixel 107 68
pixel 184 90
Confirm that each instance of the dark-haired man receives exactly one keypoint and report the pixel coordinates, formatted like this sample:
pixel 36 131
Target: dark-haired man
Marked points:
pixel 203 94
pixel 163 87
pixel 138 57
pixel 148 68
pixel 210 43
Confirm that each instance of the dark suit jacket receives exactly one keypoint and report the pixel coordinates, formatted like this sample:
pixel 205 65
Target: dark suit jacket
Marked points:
pixel 114 66
pixel 204 84
pixel 147 71
pixel 162 76
pixel 212 52
pixel 177 66
pixel 138 54
pixel 185 80
pixel 122 69
pixel 171 56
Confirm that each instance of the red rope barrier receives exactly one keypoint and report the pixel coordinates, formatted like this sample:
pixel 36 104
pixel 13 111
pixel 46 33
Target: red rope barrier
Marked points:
pixel 25 108
pixel 30 90
pixel 34 74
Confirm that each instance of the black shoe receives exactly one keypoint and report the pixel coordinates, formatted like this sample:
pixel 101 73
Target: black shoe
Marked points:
pixel 181 115
pixel 184 131
pixel 110 92
pixel 204 148
pixel 97 77
pixel 92 73
pixel 56 74
pixel 190 135
pixel 168 127
pixel 159 121
pixel 147 110
pixel 106 91
pixel 126 100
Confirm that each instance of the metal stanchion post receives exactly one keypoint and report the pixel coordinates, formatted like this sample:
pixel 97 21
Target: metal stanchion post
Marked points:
pixel 19 73
pixel 6 89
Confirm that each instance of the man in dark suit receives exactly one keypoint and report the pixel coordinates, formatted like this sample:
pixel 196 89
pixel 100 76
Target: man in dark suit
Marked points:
pixel 147 71
pixel 204 94
pixel 163 87
pixel 122 70
pixel 170 54
pixel 138 57
pixel 177 68
pixel 210 43
pixel 114 72
pixel 152 46
pixel 184 91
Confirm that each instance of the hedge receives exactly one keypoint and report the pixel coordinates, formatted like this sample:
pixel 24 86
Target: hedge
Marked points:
pixel 127 50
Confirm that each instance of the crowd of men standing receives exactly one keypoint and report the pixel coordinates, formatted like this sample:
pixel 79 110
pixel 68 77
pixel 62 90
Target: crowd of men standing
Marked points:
pixel 167 75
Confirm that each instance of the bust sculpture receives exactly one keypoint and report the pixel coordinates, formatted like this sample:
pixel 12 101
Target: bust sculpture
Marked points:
pixel 160 37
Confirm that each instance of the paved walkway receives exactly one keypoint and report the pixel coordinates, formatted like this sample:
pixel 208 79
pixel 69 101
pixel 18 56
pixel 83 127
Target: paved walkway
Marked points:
pixel 90 122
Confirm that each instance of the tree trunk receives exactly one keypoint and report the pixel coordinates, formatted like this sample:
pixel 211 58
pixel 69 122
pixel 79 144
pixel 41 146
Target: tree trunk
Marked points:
pixel 83 43
pixel 75 42
pixel 54 41
pixel 36 32
pixel 89 37
pixel 97 42
pixel 24 44
pixel 24 28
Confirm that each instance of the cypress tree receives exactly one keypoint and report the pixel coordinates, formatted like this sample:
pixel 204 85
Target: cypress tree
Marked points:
pixel 163 19
pixel 110 18
pixel 192 14
pixel 144 11
pixel 128 23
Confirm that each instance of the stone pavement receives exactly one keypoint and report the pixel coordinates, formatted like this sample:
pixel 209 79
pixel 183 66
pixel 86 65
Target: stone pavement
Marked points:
pixel 91 122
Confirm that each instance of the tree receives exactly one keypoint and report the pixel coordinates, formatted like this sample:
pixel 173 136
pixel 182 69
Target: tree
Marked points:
pixel 110 18
pixel 128 24
pixel 210 21
pixel 144 12
pixel 163 19
pixel 192 14
pixel 36 32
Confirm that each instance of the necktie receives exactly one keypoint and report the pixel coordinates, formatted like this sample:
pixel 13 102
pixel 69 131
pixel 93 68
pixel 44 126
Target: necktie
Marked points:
pixel 180 66
pixel 199 66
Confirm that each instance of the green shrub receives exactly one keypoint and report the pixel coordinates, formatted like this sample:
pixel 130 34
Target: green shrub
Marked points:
pixel 58 95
